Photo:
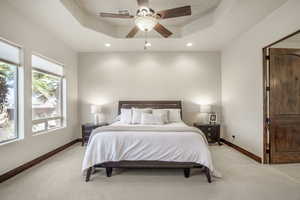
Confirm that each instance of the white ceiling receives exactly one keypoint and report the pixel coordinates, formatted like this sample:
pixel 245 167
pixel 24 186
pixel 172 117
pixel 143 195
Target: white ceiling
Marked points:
pixel 210 32
pixel 199 8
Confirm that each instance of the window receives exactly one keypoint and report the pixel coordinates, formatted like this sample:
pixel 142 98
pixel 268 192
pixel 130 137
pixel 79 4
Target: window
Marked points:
pixel 47 95
pixel 9 64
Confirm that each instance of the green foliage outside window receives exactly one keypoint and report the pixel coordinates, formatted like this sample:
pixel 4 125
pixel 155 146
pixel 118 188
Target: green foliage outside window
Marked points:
pixel 6 77
pixel 44 86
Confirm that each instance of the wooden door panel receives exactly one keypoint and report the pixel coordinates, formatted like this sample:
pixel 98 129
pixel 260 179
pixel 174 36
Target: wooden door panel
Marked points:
pixel 288 135
pixel 285 85
pixel 285 157
pixel 284 105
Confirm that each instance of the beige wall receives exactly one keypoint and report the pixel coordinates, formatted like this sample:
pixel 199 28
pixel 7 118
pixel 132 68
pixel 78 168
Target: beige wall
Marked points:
pixel 106 78
pixel 32 38
pixel 242 86
pixel 290 43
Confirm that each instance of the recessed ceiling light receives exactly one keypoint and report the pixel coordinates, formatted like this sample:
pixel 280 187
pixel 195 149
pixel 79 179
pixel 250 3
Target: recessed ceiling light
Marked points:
pixel 189 44
pixel 107 45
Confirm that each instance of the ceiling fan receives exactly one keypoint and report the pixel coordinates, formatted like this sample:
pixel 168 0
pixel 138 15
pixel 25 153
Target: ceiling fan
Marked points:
pixel 147 19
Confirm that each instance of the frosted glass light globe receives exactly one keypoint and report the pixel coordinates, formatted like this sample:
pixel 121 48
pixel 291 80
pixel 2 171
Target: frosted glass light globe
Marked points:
pixel 145 23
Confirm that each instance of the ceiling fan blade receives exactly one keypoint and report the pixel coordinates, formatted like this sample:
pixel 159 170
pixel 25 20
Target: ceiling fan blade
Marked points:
pixel 113 15
pixel 132 32
pixel 162 30
pixel 143 3
pixel 175 12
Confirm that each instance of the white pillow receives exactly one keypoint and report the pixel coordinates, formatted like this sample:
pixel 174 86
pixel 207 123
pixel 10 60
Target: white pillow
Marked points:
pixel 137 114
pixel 148 118
pixel 126 116
pixel 174 115
pixel 163 112
pixel 117 118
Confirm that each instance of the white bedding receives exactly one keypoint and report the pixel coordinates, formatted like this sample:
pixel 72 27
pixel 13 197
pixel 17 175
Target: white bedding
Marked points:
pixel 147 145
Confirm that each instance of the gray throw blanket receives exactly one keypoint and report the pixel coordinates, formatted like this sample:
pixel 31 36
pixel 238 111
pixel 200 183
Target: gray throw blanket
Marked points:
pixel 146 129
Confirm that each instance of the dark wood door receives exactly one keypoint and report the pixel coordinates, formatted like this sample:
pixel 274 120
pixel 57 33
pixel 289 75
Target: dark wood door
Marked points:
pixel 284 105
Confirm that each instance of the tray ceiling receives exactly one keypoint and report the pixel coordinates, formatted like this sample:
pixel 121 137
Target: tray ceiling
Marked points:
pixel 86 33
pixel 87 12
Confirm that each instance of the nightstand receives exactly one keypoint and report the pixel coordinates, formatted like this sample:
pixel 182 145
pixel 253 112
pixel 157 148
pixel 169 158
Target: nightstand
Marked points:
pixel 211 131
pixel 87 130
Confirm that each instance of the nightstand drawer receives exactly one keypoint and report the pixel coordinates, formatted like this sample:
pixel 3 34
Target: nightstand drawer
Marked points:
pixel 208 129
pixel 211 131
pixel 86 137
pixel 88 129
pixel 87 132
pixel 210 134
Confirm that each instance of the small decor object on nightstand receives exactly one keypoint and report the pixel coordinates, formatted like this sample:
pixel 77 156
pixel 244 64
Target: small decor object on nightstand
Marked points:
pixel 87 130
pixel 212 118
pixel 211 131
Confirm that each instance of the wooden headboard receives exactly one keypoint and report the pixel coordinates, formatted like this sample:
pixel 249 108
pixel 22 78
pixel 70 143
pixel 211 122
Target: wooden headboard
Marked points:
pixel 150 104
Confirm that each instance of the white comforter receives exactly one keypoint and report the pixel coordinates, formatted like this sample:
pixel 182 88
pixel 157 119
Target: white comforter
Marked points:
pixel 148 145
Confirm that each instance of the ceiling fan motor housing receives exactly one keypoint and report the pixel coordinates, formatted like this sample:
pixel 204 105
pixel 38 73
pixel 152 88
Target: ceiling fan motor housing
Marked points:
pixel 145 11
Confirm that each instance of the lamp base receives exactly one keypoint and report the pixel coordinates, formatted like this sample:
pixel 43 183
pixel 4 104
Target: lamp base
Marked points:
pixel 203 118
pixel 96 119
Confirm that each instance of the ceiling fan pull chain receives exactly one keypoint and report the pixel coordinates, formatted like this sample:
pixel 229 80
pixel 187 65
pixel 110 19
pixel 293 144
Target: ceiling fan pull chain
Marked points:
pixel 145 45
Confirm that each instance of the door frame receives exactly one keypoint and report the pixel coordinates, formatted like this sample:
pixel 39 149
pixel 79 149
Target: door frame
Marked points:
pixel 266 84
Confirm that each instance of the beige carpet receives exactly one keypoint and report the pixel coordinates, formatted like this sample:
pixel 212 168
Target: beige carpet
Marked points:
pixel 60 178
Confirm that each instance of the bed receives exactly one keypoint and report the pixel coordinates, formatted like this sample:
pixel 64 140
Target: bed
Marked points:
pixel 173 145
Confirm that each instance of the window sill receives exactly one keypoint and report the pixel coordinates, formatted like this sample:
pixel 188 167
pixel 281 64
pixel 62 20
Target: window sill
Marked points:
pixel 11 141
pixel 48 132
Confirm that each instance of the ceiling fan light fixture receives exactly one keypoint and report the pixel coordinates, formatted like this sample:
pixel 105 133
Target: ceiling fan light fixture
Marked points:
pixel 145 23
pixel 147 19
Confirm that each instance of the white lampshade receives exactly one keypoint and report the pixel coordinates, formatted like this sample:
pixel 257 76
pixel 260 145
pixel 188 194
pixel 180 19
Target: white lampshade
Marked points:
pixel 145 23
pixel 95 109
pixel 205 108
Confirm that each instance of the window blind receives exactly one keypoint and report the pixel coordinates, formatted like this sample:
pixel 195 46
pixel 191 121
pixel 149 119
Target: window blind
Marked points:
pixel 9 53
pixel 46 65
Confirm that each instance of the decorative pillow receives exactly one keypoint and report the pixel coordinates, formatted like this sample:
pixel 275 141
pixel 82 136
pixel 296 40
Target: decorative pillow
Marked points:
pixel 174 115
pixel 137 114
pixel 126 116
pixel 163 112
pixel 154 119
pixel 117 118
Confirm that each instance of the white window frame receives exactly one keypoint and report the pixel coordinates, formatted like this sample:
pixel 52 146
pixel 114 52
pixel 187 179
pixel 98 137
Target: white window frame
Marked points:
pixel 17 111
pixel 62 116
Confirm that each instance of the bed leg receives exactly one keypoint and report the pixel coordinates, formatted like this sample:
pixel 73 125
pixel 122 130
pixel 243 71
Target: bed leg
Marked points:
pixel 186 172
pixel 109 171
pixel 88 174
pixel 207 173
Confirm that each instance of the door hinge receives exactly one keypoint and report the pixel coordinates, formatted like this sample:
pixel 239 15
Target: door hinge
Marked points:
pixel 268 148
pixel 268 88
pixel 268 57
